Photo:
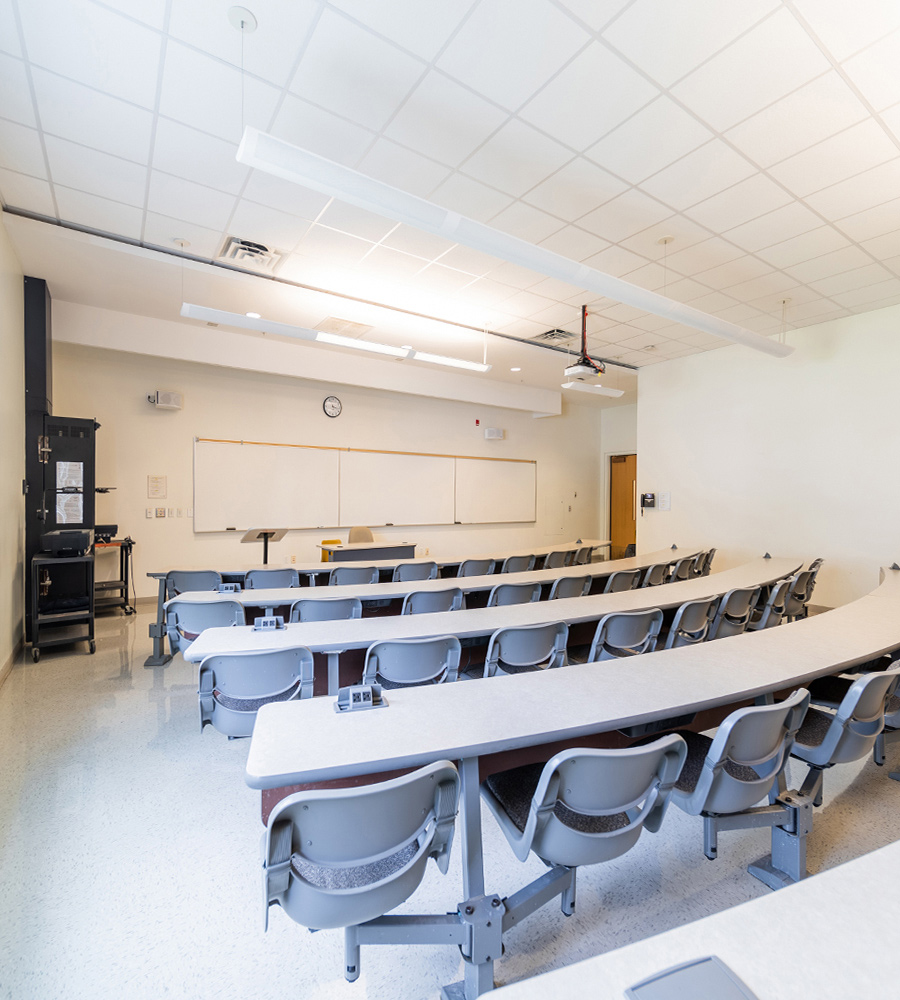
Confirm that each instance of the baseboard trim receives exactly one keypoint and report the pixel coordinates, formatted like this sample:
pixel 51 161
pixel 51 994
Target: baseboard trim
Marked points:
pixel 6 669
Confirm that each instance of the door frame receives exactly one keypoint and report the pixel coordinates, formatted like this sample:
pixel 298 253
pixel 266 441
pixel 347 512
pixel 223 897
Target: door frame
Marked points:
pixel 606 487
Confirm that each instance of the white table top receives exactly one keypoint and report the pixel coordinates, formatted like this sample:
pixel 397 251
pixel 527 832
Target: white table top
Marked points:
pixel 305 741
pixel 359 633
pixel 831 936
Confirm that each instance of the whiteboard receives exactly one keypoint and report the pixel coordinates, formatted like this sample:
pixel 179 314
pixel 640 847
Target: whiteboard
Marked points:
pixel 489 491
pixel 246 486
pixel 382 488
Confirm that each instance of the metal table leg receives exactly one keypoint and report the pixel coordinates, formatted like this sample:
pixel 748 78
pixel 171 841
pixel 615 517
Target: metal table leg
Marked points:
pixel 159 656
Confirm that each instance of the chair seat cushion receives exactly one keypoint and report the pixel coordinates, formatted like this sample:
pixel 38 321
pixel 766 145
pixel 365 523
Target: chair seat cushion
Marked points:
pixel 330 878
pixel 254 704
pixel 815 728
pixel 698 749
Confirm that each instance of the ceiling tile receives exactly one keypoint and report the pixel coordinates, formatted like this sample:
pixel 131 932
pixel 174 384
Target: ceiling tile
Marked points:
pixel 333 246
pixel 596 14
pixel 866 190
pixel 827 264
pixel 512 274
pixel 771 285
pixel 730 87
pixel 553 288
pixel 20 149
pixel 486 292
pixel 202 92
pixel 819 312
pixel 645 32
pixel 576 188
pixel 386 161
pixel 883 247
pixel 9 32
pixel 277 193
pixel 392 265
pixel 653 276
pixel 414 241
pixel 95 46
pixel 740 203
pixel 15 92
pixel 732 273
pixel 846 28
pixel 442 280
pixel 809 245
pixel 593 94
pixel 272 227
pixel 616 261
pixel 198 157
pixel 98 213
pixel 740 313
pixel 73 111
pixel 516 158
pixel 869 297
pixel 874 222
pixel 321 132
pixel 699 175
pixel 680 230
pixel 470 261
pixel 624 216
pixel 852 151
pixel 526 223
pixel 649 141
pixel 859 277
pixel 891 118
pixel 443 120
pixel 774 227
pixel 22 191
pixel 356 221
pixel 470 198
pixel 183 199
pixel 702 256
pixel 507 49
pixel 874 71
pixel 559 317
pixel 152 12
pixel 96 173
pixel 351 72
pixel 402 21
pixel 816 111
pixel 712 302
pixel 163 231
pixel 685 289
pixel 574 243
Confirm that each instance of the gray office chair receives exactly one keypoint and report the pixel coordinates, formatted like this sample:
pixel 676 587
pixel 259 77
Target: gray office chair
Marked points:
pixel 626 579
pixel 569 586
pixel 350 573
pixel 583 807
pixel 330 609
pixel 184 581
pixel 396 663
pixel 360 533
pixel 343 857
pixel 259 579
pixel 513 593
pixel 625 633
pixel 707 562
pixel 681 569
pixel 234 686
pixel 583 556
pixel 772 610
pixel 428 601
pixel 476 567
pixel 526 648
pixel 697 566
pixel 558 560
pixel 734 612
pixel 186 620
pixel 517 564
pixel 802 584
pixel 405 572
pixel 655 575
pixel 691 623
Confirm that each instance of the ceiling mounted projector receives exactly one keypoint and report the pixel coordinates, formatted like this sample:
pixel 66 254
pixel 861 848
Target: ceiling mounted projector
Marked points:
pixel 584 369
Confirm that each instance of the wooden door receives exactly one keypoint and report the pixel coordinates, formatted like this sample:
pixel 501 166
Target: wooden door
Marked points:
pixel 622 503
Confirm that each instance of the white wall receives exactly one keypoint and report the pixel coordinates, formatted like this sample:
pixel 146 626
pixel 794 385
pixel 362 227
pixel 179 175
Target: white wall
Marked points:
pixel 798 457
pixel 12 454
pixel 136 440
pixel 618 434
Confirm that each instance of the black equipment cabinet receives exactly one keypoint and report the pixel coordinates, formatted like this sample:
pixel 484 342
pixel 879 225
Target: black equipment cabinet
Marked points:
pixel 115 593
pixel 62 599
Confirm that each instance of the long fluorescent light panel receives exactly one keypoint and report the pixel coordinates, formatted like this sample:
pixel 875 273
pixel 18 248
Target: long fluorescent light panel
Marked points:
pixel 291 163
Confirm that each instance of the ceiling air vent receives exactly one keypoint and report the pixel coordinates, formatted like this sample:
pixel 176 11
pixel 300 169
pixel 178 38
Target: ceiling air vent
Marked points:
pixel 343 327
pixel 245 253
pixel 554 337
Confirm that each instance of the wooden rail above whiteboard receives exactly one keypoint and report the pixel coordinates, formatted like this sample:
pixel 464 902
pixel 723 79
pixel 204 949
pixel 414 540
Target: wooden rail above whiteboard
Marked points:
pixel 371 451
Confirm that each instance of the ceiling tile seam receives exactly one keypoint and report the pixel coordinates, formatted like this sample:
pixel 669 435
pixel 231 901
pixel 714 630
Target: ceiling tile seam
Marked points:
pixel 596 33
pixel 129 17
pixel 160 71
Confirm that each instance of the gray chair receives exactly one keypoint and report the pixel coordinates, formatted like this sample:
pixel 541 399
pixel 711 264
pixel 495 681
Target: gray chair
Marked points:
pixel 476 567
pixel 583 555
pixel 185 581
pixel 691 623
pixel 569 586
pixel 396 663
pixel 360 533
pixel 185 620
pixel 558 560
pixel 352 574
pixel 260 579
pixel 343 857
pixel 772 610
pixel 513 593
pixel 583 807
pixel 626 633
pixel 734 612
pixel 405 572
pixel 526 648
pixel 309 609
pixel 655 575
pixel 681 569
pixel 697 566
pixel 429 601
pixel 707 562
pixel 517 564
pixel 626 579
pixel 797 604
pixel 234 686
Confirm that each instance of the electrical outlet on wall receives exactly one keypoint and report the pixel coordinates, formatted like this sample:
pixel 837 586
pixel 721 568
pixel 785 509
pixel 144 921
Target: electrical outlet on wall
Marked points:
pixel 171 512
pixel 149 512
pixel 190 512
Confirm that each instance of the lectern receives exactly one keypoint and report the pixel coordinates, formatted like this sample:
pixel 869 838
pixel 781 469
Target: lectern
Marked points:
pixel 266 534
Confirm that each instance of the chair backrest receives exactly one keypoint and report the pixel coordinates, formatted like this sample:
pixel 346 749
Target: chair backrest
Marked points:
pixel 352 573
pixel 707 562
pixel 626 633
pixel 405 572
pixel 427 601
pixel 681 569
pixel 802 584
pixel 655 575
pixel 624 579
pixel 517 564
pixel 360 533
pixel 583 555
pixel 590 805
pixel 772 611
pixel 476 567
pixel 407 662
pixel 185 620
pixel 815 565
pixel 570 586
pixel 691 623
pixel 513 593
pixel 257 579
pixel 734 612
pixel 744 759
pixel 234 686
pixel 326 556
pixel 337 857
pixel 697 565
pixel 558 560
pixel 328 609
pixel 526 647
pixel 183 581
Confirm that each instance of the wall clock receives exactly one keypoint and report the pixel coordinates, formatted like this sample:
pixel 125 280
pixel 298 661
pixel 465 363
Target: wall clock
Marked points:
pixel 332 406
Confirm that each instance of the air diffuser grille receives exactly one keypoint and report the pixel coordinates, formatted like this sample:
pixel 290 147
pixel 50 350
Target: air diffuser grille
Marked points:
pixel 249 254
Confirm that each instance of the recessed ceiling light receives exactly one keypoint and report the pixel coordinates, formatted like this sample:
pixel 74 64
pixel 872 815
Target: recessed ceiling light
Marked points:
pixel 515 369
pixel 253 315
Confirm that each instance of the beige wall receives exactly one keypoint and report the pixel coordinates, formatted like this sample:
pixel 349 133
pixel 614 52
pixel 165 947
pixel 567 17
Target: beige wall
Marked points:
pixel 12 454
pixel 618 435
pixel 797 457
pixel 137 440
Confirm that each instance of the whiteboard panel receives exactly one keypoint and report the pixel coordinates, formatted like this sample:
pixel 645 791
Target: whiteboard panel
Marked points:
pixel 491 491
pixel 380 488
pixel 246 486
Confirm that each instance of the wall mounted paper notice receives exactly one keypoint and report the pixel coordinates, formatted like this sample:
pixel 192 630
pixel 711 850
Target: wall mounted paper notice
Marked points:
pixel 156 487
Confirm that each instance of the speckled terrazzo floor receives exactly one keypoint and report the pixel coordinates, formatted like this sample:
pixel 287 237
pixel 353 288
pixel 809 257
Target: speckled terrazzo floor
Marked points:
pixel 129 847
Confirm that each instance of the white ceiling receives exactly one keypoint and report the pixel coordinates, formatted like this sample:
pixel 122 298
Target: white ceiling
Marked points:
pixel 763 136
